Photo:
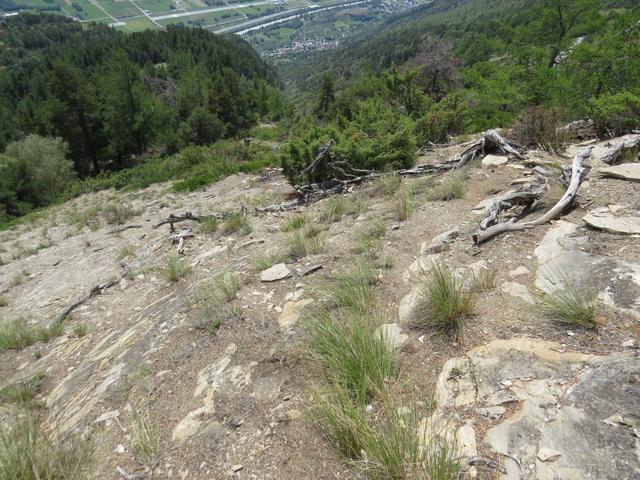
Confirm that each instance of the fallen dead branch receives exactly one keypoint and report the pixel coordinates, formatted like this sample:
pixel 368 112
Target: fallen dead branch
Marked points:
pixel 96 290
pixel 179 238
pixel 173 219
pixel 578 173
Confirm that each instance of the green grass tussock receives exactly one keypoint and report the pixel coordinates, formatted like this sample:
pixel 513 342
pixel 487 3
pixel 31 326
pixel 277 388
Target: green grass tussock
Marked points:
pixel 568 304
pixel 445 302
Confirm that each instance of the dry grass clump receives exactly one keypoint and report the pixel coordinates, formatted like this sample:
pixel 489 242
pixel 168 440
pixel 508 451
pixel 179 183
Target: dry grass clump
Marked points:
pixel 352 291
pixel 308 241
pixel 28 452
pixel 445 302
pixel 295 223
pixel 16 334
pixel 569 304
pixel 144 436
pixel 368 237
pixel 403 204
pixel 208 225
pixel 333 209
pixel 176 268
pixel 454 187
pixel 387 184
pixel 238 222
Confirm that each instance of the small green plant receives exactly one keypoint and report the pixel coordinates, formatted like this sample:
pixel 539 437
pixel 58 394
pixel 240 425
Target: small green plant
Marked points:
pixel 15 334
pixel 238 222
pixel 454 187
pixel 403 204
pixel 295 223
pixel 28 452
pixel 44 334
pixel 352 291
pixel 16 280
pixel 228 285
pixel 483 280
pixel 333 209
pixel 368 238
pixel 176 268
pixel 208 225
pixel 3 301
pixel 118 213
pixel 357 204
pixel 445 302
pixel 568 304
pixel 309 241
pixel 80 330
pixel 22 393
pixel 266 260
pixel 387 184
pixel 213 313
pixel 126 251
pixel 145 438
pixel 387 446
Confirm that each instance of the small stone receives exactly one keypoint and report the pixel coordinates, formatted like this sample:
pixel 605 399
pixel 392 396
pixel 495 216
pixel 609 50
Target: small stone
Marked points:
pixel 522 270
pixel 237 468
pixel 628 343
pixel 518 290
pixel 392 334
pixel 548 455
pixel 570 333
pixel 491 412
pixel 395 226
pixel 278 272
pixel 494 161
pixel 119 449
pixel 294 414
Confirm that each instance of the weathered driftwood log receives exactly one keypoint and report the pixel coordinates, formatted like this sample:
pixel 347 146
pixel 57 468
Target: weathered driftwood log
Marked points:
pixel 96 290
pixel 578 172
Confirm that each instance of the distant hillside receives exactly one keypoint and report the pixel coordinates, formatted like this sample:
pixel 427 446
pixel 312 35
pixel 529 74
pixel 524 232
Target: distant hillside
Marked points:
pixel 113 96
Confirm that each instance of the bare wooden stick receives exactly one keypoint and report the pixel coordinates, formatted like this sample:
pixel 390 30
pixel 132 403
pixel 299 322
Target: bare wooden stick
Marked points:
pixel 481 236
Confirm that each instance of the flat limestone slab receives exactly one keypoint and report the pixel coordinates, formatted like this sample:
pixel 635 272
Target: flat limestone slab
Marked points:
pixel 624 171
pixel 275 273
pixel 605 219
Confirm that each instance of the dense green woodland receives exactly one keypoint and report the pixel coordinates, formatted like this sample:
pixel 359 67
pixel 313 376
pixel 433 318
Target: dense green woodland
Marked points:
pixel 452 68
pixel 126 110
pixel 115 99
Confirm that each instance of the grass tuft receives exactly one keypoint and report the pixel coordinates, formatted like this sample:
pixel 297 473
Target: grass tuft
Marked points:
pixel 352 291
pixel 295 223
pixel 238 222
pixel 333 209
pixel 80 330
pixel 145 438
pixel 228 285
pixel 308 241
pixel 208 225
pixel 3 301
pixel 454 187
pixel 445 302
pixel 403 204
pixel 368 238
pixel 350 352
pixel 28 452
pixel 387 184
pixel 176 268
pixel 568 304
pixel 22 393
pixel 266 260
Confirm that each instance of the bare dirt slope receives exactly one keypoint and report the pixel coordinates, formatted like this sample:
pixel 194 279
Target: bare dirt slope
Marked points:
pixel 232 402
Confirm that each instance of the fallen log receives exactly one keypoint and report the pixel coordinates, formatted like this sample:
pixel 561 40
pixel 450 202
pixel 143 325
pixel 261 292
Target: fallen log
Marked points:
pixel 178 238
pixel 578 173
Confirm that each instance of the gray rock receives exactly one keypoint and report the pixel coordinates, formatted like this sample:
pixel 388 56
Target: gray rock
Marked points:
pixel 605 219
pixel 392 334
pixel 576 415
pixel 278 272
pixel 493 412
pixel 494 161
pixel 292 311
pixel 440 242
pixel 517 290
pixel 624 171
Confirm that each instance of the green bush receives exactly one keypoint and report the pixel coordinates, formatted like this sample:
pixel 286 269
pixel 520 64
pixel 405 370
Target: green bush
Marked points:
pixel 616 114
pixel 377 137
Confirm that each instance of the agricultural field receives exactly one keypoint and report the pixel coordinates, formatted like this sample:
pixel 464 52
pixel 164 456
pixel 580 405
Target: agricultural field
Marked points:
pixel 135 15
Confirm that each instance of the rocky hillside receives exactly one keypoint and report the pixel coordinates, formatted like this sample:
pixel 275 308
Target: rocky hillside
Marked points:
pixel 200 364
